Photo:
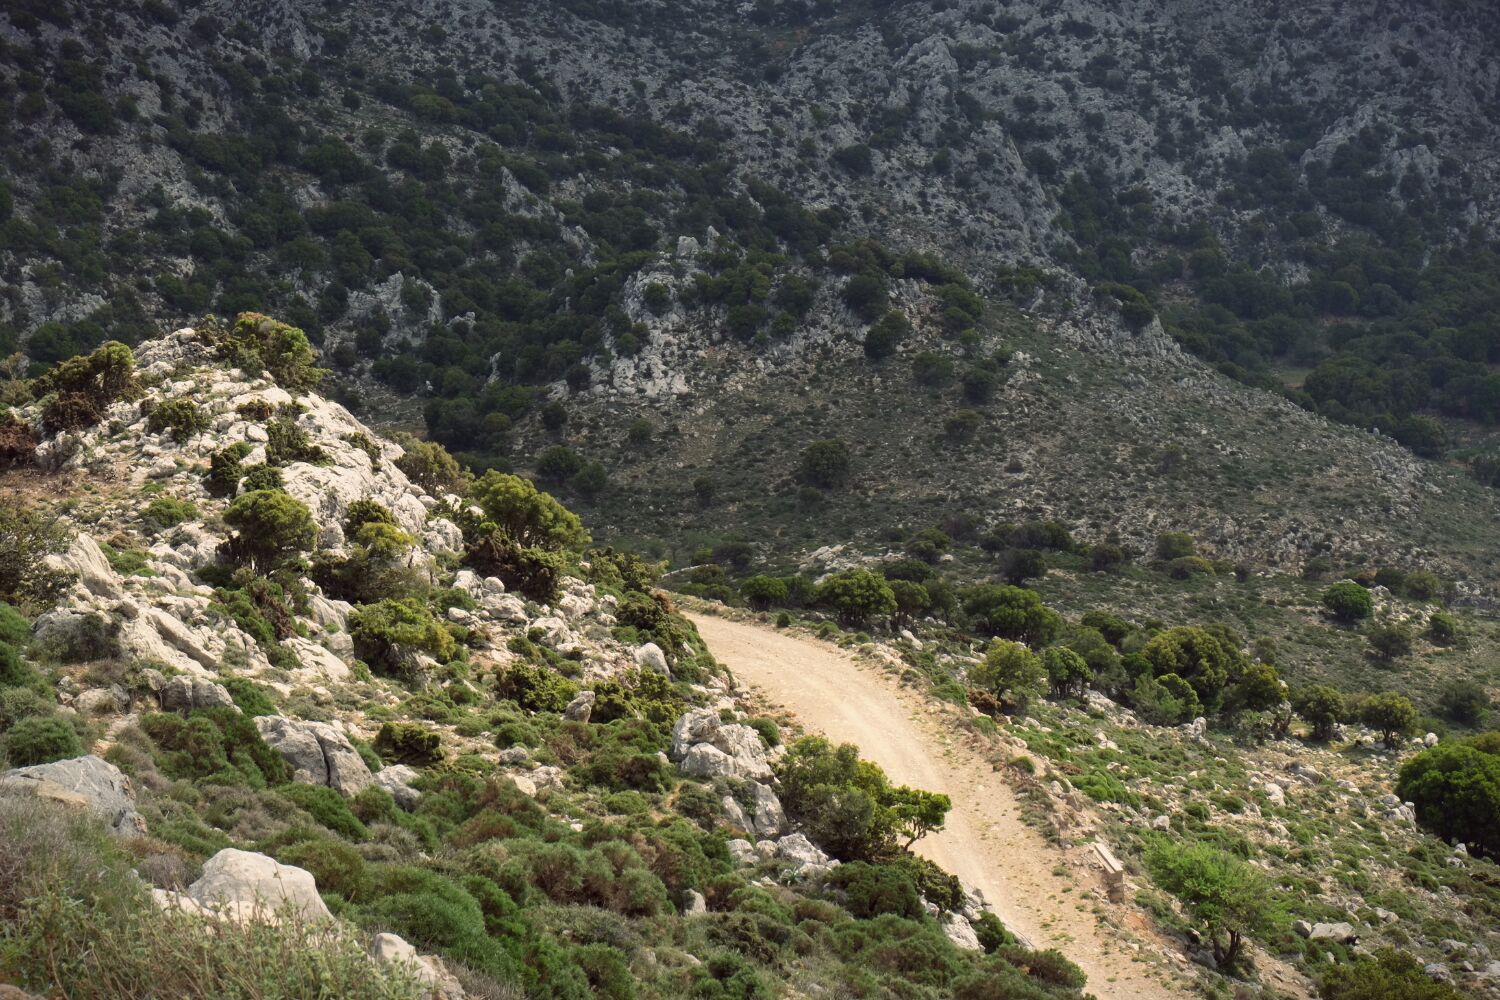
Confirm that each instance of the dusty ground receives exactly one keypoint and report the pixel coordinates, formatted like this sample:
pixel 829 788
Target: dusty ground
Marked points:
pixel 1035 888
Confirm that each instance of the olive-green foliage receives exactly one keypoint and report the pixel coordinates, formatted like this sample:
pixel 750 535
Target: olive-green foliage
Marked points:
pixel 763 592
pixel 1175 545
pixel 870 890
pixel 1011 672
pixel 215 746
pixel 525 515
pixel 181 418
pixel 287 443
pixel 388 634
pixel 1205 658
pixel 857 596
pixel 533 687
pixel 258 343
pixel 1385 975
pixel 637 694
pixel 72 900
pixel 1227 897
pixel 826 464
pixel 1322 706
pixel 534 572
pixel 431 467
pixel 327 807
pixel 40 740
pixel 1390 714
pixel 1067 672
pixel 167 512
pixel 1015 613
pixel 226 469
pixel 1390 641
pixel 848 806
pixel 1455 788
pixel 408 743
pixel 269 526
pixel 76 392
pixel 1348 601
pixel 27 536
pixel 253 699
pixel 337 867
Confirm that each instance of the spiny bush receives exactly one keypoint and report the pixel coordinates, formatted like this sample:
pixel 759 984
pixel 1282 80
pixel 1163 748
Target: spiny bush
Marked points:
pixel 389 634
pixel 181 418
pixel 215 746
pixel 408 743
pixel 167 512
pixel 40 740
pixel 258 343
pixel 327 807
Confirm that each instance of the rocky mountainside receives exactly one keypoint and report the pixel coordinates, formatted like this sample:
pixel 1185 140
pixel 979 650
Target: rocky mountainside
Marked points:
pixel 650 212
pixel 338 698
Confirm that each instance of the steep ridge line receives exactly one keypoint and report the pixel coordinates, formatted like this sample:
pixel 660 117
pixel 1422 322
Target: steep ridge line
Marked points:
pixel 985 841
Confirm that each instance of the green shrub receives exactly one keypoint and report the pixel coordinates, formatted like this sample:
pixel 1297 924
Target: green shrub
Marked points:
pixel 226 469
pixel 258 343
pixel 215 746
pixel 534 688
pixel 408 743
pixel 825 464
pixel 1390 714
pixel 1455 788
pixel 870 890
pixel 429 465
pixel 1348 601
pixel 1385 975
pixel 607 968
pixel 269 526
pixel 770 733
pixel 181 418
pixel 262 477
pixel 525 515
pixel 252 698
pixel 167 512
pixel 534 572
pixel 389 634
pixel 40 740
pixel 337 867
pixel 287 443
pixel 327 807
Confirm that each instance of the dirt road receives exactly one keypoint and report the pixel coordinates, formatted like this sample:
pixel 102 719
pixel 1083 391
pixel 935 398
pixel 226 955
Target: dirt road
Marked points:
pixel 985 841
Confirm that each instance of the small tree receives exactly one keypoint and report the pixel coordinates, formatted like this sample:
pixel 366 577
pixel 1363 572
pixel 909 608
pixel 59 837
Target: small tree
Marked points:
pixel 388 636
pixel 917 813
pixel 1455 788
pixel 885 335
pixel 825 464
pixel 269 526
pixel 1010 671
pixel 1067 672
pixel 1227 897
pixel 912 599
pixel 1442 628
pixel 1019 565
pixel 526 515
pixel 1389 642
pixel 1323 708
pixel 1348 601
pixel 1200 656
pixel 429 465
pixel 762 592
pixel 1012 613
pixel 856 596
pixel 1175 545
pixel 1390 714
pixel 259 343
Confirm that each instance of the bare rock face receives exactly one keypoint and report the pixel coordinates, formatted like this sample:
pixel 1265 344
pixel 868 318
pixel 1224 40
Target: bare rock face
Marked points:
pixel 90 783
pixel 244 886
pixel 318 753
pixel 85 560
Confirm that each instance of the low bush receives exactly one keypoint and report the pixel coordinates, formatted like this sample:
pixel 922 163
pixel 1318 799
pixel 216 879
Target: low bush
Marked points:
pixel 40 739
pixel 408 743
pixel 327 807
pixel 215 746
pixel 181 418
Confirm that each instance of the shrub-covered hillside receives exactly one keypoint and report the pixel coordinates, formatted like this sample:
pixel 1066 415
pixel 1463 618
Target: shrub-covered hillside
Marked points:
pixel 288 708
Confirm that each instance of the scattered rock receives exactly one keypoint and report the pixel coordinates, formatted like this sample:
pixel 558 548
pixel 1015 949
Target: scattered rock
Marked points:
pixel 734 814
pixel 770 818
pixel 581 707
pixel 1275 793
pixel 796 848
pixel 318 753
pixel 1341 932
pixel 392 949
pixel 696 905
pixel 396 779
pixel 742 852
pixel 707 761
pixel 185 694
pixel 242 885
pixel 650 657
pixel 961 932
pixel 90 783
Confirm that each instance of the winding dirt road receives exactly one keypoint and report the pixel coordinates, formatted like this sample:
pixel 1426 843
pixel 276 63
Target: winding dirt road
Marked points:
pixel 985 842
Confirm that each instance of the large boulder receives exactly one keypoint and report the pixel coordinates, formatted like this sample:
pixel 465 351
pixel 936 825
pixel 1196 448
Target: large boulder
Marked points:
pixel 803 854
pixel 184 694
pixel 958 930
pixel 695 726
pixel 318 753
pixel 396 779
pixel 86 562
pixel 90 783
pixel 707 761
pixel 243 886
pixel 581 707
pixel 744 746
pixel 650 657
pixel 770 818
